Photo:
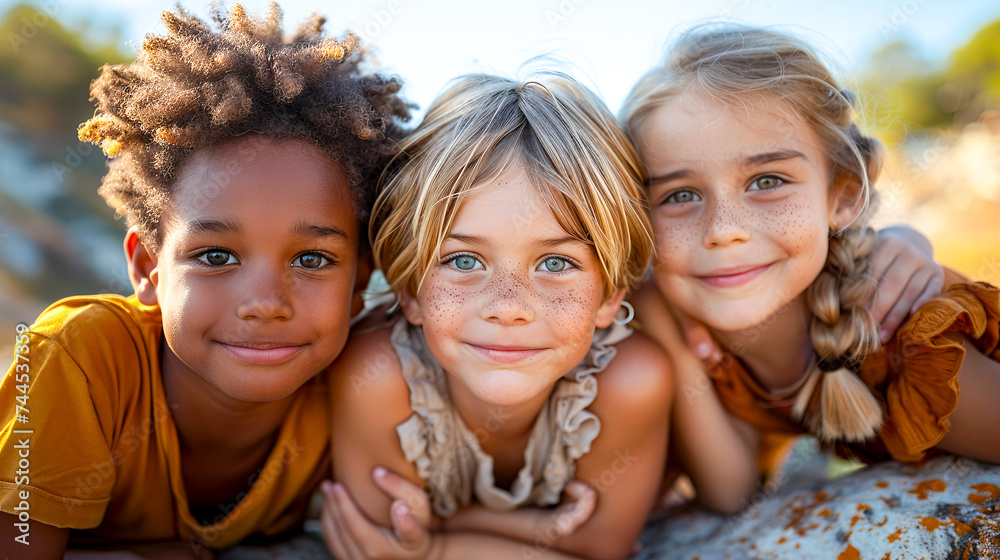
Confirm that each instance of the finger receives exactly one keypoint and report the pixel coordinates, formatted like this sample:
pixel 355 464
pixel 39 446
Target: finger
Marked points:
pixel 580 501
pixel 901 310
pixel 357 524
pixel 338 541
pixel 885 252
pixel 408 529
pixel 399 488
pixel 889 286
pixel 931 291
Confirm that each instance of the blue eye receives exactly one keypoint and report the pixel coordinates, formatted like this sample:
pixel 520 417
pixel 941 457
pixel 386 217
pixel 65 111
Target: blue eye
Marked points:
pixel 682 196
pixel 465 262
pixel 217 257
pixel 555 264
pixel 311 261
pixel 766 183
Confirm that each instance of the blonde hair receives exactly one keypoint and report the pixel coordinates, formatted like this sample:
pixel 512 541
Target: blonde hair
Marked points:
pixel 570 146
pixel 729 62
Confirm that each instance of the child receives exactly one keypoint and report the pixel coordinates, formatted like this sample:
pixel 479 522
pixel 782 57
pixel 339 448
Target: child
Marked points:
pixel 192 411
pixel 760 187
pixel 510 231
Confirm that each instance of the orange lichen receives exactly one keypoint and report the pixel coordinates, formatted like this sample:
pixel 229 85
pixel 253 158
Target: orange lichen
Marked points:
pixel 824 513
pixel 883 522
pixel 820 496
pixel 849 553
pixel 782 540
pixel 895 536
pixel 991 490
pixel 931 524
pixel 933 485
pixel 960 528
pixel 882 484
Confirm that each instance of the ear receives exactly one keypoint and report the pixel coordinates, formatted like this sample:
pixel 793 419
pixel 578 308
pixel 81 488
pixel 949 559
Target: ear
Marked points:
pixel 411 307
pixel 142 269
pixel 846 201
pixel 609 309
pixel 362 275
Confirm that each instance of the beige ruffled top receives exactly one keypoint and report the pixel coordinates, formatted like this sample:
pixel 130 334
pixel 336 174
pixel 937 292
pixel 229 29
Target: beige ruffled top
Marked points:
pixel 447 454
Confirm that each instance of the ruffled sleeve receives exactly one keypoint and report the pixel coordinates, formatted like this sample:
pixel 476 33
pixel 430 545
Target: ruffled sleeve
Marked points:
pixel 917 371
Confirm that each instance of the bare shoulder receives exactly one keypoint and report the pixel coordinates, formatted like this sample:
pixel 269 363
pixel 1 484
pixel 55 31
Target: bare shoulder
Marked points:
pixel 638 380
pixel 368 372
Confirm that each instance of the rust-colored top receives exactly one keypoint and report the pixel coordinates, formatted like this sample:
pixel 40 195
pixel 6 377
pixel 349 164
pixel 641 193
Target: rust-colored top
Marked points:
pixel 914 376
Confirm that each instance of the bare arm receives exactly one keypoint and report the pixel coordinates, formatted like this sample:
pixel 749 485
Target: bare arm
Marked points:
pixel 975 423
pixel 44 541
pixel 718 451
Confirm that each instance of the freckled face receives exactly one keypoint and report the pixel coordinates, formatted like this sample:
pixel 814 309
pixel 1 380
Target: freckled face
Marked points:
pixel 740 206
pixel 256 268
pixel 512 304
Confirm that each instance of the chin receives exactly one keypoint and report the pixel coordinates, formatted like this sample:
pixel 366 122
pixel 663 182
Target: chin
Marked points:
pixel 507 388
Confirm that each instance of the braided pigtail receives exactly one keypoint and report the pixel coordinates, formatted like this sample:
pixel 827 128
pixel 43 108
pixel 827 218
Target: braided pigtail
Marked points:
pixel 835 404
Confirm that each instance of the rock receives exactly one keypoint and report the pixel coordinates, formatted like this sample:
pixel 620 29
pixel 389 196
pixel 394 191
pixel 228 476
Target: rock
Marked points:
pixel 945 508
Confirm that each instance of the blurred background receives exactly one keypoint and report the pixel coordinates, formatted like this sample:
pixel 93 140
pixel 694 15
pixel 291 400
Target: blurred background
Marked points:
pixel 928 72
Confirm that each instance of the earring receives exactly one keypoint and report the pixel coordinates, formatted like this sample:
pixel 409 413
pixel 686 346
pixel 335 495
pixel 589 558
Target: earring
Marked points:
pixel 628 317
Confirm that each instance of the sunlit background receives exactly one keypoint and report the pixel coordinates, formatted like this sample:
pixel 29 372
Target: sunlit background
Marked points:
pixel 928 72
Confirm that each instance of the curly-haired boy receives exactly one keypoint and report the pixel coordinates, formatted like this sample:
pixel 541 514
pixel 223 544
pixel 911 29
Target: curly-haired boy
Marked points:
pixel 244 163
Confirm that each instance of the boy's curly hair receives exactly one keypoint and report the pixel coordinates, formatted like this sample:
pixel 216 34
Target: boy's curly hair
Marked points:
pixel 197 87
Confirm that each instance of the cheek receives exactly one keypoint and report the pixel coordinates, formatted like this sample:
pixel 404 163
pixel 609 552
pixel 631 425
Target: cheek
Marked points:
pixel 442 304
pixel 675 238
pixel 801 225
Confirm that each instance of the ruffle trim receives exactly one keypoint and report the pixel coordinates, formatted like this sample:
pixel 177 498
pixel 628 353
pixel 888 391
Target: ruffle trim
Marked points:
pixel 922 367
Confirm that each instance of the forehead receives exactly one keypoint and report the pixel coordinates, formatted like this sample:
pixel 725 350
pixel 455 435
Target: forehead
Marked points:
pixel 696 126
pixel 252 178
pixel 506 206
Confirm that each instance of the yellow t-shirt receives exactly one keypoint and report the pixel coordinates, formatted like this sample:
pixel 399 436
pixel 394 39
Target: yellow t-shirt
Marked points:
pixel 97 448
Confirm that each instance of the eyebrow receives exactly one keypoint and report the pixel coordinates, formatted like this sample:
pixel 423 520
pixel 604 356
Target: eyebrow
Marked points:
pixel 768 157
pixel 230 226
pixel 312 230
pixel 750 161
pixel 548 242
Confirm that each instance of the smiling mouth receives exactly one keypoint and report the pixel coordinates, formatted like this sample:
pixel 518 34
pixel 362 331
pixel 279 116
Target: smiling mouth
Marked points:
pixel 263 353
pixel 506 354
pixel 733 277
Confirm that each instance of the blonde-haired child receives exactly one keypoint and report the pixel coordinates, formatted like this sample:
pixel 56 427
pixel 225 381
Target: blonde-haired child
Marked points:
pixel 511 229
pixel 760 185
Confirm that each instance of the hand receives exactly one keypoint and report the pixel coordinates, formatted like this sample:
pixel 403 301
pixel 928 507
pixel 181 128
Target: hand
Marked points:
pixel 577 505
pixel 903 267
pixel 699 340
pixel 351 536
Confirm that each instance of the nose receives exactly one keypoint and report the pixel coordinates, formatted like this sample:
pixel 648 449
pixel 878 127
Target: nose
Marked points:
pixel 508 299
pixel 726 221
pixel 265 296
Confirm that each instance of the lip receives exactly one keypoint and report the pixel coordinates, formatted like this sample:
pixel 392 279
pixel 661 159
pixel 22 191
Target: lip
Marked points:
pixel 506 354
pixel 263 353
pixel 734 276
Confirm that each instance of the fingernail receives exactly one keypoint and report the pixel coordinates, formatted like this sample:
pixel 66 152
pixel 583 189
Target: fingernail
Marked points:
pixel 883 335
pixel 326 487
pixel 379 472
pixel 401 510
pixel 704 350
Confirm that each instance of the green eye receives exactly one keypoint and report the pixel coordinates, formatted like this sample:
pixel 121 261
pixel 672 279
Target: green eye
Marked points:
pixel 310 260
pixel 680 197
pixel 217 258
pixel 465 262
pixel 766 183
pixel 555 264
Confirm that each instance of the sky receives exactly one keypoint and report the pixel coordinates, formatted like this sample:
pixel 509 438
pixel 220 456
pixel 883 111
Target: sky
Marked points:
pixel 605 44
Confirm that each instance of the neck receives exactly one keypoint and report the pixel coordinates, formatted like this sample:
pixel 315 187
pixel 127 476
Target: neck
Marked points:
pixel 211 421
pixel 494 423
pixel 777 350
